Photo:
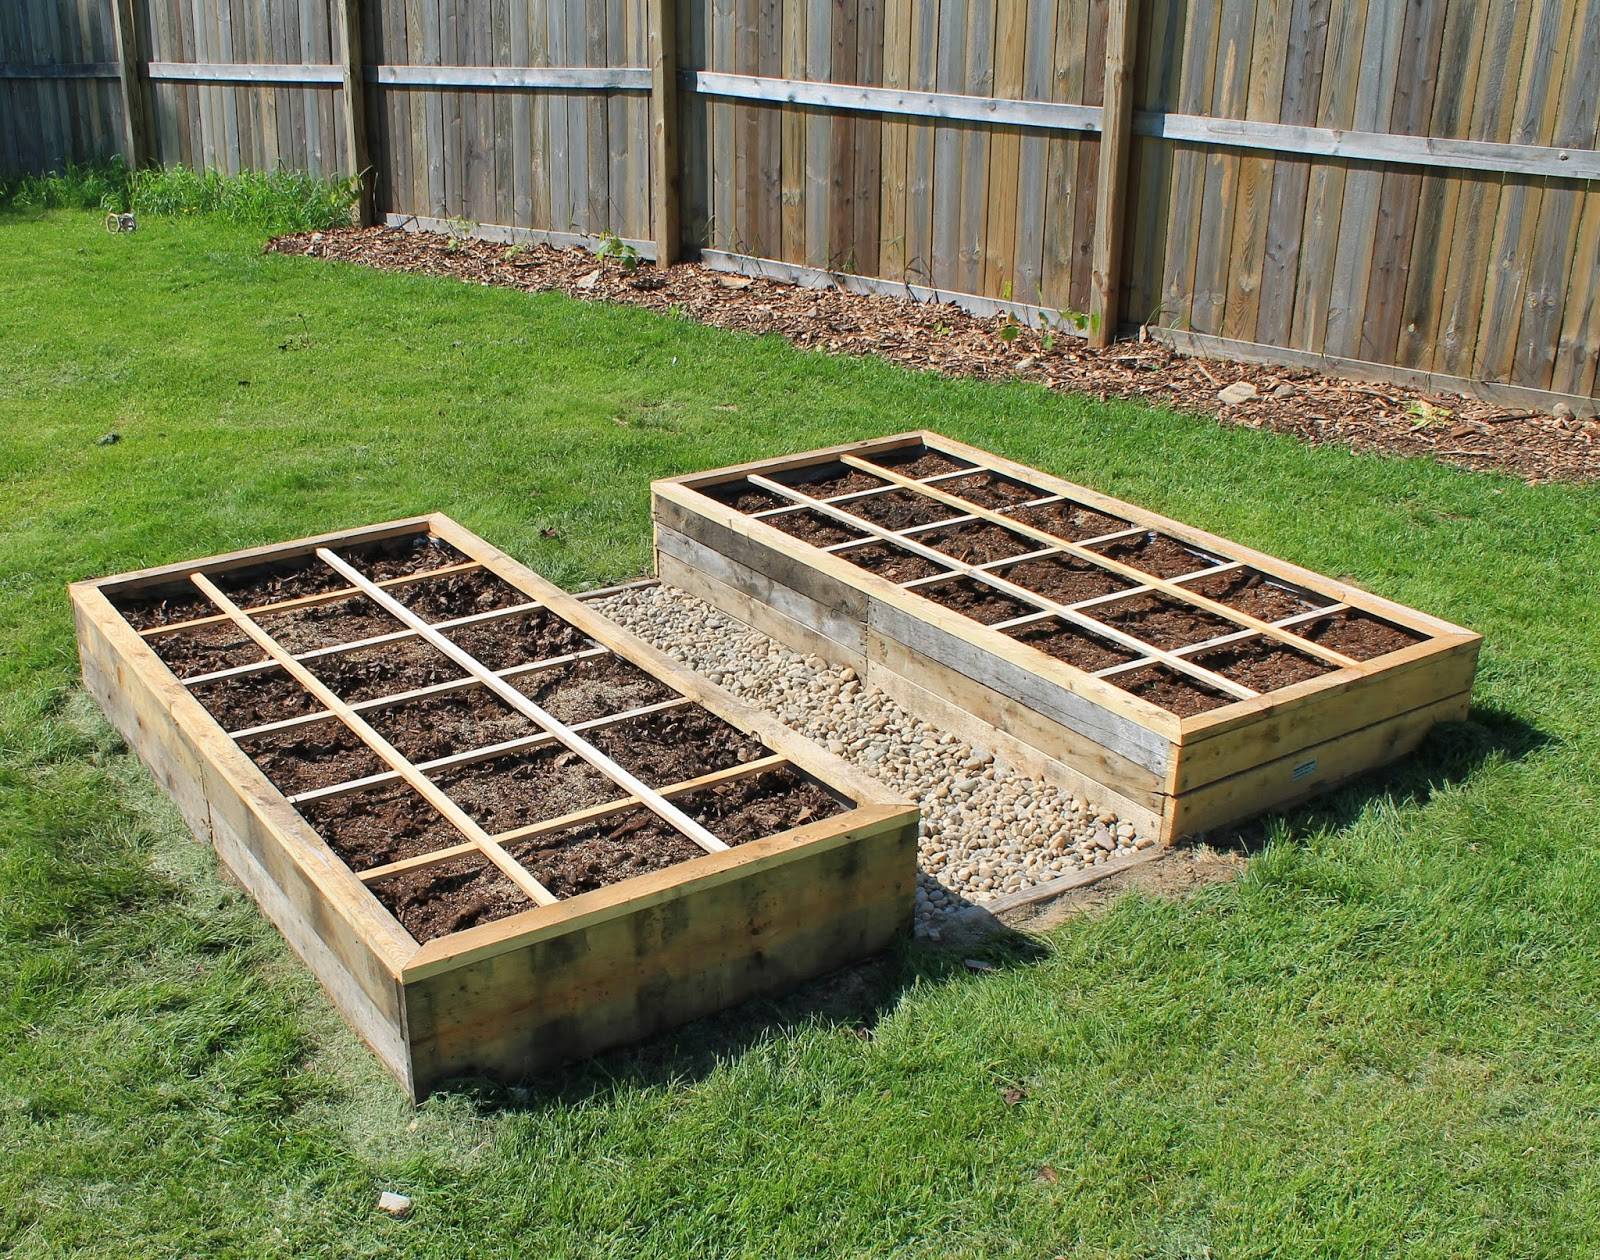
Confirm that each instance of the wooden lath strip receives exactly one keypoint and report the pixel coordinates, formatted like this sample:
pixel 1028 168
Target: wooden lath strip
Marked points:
pixel 1166 586
pixel 452 812
pixel 628 782
pixel 1133 644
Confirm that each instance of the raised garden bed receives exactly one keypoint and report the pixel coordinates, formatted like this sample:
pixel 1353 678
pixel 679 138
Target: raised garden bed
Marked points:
pixel 502 831
pixel 1178 678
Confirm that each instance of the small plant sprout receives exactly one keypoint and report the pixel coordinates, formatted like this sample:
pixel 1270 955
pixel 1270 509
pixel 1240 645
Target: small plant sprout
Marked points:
pixel 613 249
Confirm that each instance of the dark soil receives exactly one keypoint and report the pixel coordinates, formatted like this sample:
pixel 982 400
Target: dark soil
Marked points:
pixel 1156 553
pixel 1160 621
pixel 254 699
pixel 992 490
pixel 1252 591
pixel 385 669
pixel 594 687
pixel 887 561
pixel 597 854
pixel 675 745
pixel 809 525
pixel 401 557
pixel 977 542
pixel 513 791
pixel 972 598
pixel 743 497
pixel 1064 579
pixel 1261 663
pixel 899 509
pixel 503 642
pixel 827 480
pixel 279 580
pixel 1069 643
pixel 1171 690
pixel 163 605
pixel 1069 520
pixel 328 625
pixel 458 595
pixel 918 461
pixel 379 826
pixel 1357 634
pixel 761 805
pixel 316 755
pixel 451 722
pixel 450 897
pixel 202 649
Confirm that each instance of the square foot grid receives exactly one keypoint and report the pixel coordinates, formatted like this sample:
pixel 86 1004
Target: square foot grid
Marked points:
pixel 465 750
pixel 1188 628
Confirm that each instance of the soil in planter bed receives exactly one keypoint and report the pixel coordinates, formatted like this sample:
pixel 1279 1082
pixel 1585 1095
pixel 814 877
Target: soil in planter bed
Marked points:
pixel 899 509
pixel 1160 621
pixel 991 490
pixel 278 580
pixel 1173 691
pixel 760 805
pixel 1261 664
pixel 977 542
pixel 316 755
pixel 401 557
pixel 741 496
pixel 1064 579
pixel 385 669
pixel 1072 644
pixel 458 595
pixel 918 461
pixel 1357 634
pixel 202 649
pixel 1156 553
pixel 163 605
pixel 449 897
pixel 675 745
pixel 1252 591
pixel 380 825
pixel 813 527
pixel 594 687
pixel 1068 520
pixel 327 625
pixel 503 642
pixel 972 598
pixel 887 561
pixel 451 722
pixel 827 480
pixel 523 788
pixel 596 854
pixel 254 699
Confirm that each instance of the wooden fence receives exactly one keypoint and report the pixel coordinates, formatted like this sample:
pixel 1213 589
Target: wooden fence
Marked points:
pixel 1401 189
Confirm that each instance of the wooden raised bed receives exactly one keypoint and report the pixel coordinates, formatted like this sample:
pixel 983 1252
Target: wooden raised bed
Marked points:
pixel 503 832
pixel 1175 677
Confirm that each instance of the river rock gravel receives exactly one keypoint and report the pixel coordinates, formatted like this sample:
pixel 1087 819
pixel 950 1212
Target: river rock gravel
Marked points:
pixel 987 828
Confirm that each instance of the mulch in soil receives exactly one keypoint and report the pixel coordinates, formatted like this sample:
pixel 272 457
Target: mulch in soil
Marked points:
pixel 1357 634
pixel 458 595
pixel 254 699
pixel 760 805
pixel 385 669
pixel 827 480
pixel 1072 644
pixel 401 557
pixel 522 788
pixel 316 755
pixel 978 542
pixel 1252 591
pixel 1064 579
pixel 203 649
pixel 448 723
pixel 1067 519
pixel 1160 621
pixel 1261 664
pixel 597 854
pixel 899 509
pixel 918 461
pixel 328 625
pixel 893 563
pixel 595 687
pixel 743 497
pixel 1173 691
pixel 163 605
pixel 449 897
pixel 809 525
pixel 1387 419
pixel 972 598
pixel 675 745
pixel 992 490
pixel 380 825
pixel 503 642
pixel 1156 554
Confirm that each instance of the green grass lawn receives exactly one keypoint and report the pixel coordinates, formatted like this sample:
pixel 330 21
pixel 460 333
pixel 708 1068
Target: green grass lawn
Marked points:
pixel 1384 1039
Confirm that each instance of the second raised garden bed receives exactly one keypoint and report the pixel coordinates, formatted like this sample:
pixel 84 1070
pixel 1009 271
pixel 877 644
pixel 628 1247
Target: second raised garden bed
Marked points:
pixel 1178 678
pixel 502 831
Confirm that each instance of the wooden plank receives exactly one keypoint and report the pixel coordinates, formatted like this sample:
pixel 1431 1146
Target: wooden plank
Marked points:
pixel 1188 168
pixel 1122 17
pixel 841 155
pixel 666 212
pixel 1215 222
pixel 1033 156
pixel 135 114
pixel 921 76
pixel 353 104
pixel 500 108
pixel 1061 178
pixel 598 213
pixel 895 135
pixel 867 231
pixel 1005 172
pixel 298 74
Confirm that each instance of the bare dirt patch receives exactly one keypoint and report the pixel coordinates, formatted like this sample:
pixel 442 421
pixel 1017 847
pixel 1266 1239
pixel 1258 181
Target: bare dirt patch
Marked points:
pixel 502 642
pixel 1173 691
pixel 1179 871
pixel 316 755
pixel 525 788
pixel 888 561
pixel 1156 554
pixel 977 542
pixel 759 805
pixel 1357 634
pixel 451 722
pixel 205 649
pixel 1064 579
pixel 1072 644
pixel 449 897
pixel 918 461
pixel 992 490
pixel 254 699
pixel 828 480
pixel 401 557
pixel 458 595
pixel 595 687
pixel 675 745
pixel 1068 520
pixel 596 854
pixel 327 625
pixel 899 509
pixel 741 496
pixel 1261 664
pixel 384 669
pixel 809 525
pixel 1160 621
pixel 380 825
pixel 972 598
pixel 1252 591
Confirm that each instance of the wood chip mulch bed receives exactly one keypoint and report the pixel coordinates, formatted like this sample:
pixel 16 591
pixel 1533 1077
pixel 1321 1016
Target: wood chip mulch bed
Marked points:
pixel 1384 419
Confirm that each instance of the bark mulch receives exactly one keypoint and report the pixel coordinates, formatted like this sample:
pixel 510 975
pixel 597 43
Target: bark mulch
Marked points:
pixel 1387 419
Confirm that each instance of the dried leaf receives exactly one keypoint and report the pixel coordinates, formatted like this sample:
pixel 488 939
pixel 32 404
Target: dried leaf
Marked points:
pixel 1048 1174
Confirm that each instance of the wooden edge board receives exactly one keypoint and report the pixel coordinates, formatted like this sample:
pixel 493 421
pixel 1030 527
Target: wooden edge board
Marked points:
pixel 1010 903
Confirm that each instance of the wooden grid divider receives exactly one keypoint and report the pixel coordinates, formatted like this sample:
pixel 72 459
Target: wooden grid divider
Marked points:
pixel 673 816
pixel 453 813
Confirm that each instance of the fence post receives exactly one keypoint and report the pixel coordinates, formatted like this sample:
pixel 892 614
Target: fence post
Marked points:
pixel 1116 138
pixel 354 100
pixel 664 108
pixel 134 128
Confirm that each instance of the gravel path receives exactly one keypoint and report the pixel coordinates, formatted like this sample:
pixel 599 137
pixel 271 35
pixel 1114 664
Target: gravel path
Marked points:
pixel 987 828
